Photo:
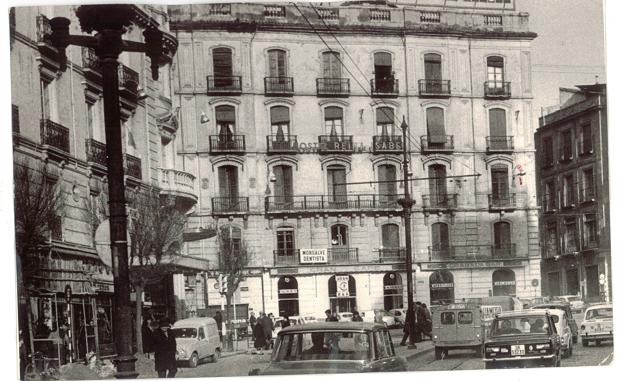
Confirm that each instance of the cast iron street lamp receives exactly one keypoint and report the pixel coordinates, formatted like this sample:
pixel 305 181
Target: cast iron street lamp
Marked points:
pixel 110 22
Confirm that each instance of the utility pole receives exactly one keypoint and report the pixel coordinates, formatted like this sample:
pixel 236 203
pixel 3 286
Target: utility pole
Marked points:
pixel 407 203
pixel 110 22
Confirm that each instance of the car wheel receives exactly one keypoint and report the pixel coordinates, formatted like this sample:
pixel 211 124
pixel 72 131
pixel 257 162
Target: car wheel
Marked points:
pixel 439 353
pixel 217 355
pixel 193 360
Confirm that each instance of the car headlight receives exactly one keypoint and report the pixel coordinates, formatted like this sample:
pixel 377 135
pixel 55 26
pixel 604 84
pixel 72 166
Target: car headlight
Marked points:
pixel 582 327
pixel 543 346
pixel 493 349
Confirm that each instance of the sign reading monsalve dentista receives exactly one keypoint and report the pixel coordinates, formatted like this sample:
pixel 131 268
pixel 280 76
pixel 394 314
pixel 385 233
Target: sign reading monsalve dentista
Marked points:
pixel 313 255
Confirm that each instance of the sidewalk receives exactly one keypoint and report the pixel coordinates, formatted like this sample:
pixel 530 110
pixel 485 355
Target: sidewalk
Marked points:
pixel 409 354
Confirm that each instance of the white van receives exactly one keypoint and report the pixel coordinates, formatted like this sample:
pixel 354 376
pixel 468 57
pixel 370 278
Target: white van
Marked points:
pixel 196 339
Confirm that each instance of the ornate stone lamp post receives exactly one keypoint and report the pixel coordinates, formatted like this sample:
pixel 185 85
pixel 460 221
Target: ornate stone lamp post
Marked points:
pixel 109 23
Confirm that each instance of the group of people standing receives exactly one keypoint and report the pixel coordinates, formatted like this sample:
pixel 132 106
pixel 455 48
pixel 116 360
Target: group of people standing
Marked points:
pixel 422 323
pixel 262 329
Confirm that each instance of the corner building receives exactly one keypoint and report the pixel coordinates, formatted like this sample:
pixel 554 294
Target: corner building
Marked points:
pixel 283 109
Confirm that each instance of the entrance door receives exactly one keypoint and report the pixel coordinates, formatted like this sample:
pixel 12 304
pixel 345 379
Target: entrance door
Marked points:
pixel 503 283
pixel 441 287
pixel 572 281
pixel 392 286
pixel 288 292
pixel 554 283
pixel 342 293
pixel 593 282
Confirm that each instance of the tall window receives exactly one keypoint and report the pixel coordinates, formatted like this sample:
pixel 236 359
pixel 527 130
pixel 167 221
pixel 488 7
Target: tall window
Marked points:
pixel 550 196
pixel 547 151
pixel 339 243
pixel 590 238
pixel 387 186
pixel 498 129
pixel 331 65
pixel 277 63
pixel 390 234
pixel 440 240
pixel 280 127
pixel 495 72
pixel 588 185
pixel 566 145
pixel 551 240
pixel 228 183
pixel 285 243
pixel 222 66
pixel 568 190
pixel 438 185
pixel 435 121
pixel 586 139
pixel 570 236
pixel 283 184
pixel 383 72
pixel 434 74
pixel 500 183
pixel 225 120
pixel 336 184
pixel 502 240
pixel 45 101
pixel 385 121
pixel 334 122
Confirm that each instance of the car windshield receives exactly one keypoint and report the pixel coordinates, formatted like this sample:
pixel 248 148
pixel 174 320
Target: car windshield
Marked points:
pixel 323 346
pixel 515 325
pixel 599 313
pixel 184 333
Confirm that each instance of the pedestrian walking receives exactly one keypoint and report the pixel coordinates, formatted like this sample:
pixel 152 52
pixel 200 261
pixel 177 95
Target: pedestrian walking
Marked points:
pixel 164 345
pixel 410 314
pixel 330 316
pixel 356 316
pixel 219 320
pixel 285 322
pixel 259 339
pixel 428 321
pixel 147 336
pixel 267 326
pixel 252 324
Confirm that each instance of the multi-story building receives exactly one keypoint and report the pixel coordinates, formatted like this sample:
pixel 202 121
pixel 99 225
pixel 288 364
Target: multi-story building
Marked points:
pixel 58 123
pixel 572 182
pixel 285 109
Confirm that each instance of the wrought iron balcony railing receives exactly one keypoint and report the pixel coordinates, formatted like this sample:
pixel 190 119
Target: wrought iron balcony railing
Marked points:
pixel 128 80
pixel 55 135
pixel 286 257
pixel 391 254
pixel 384 87
pixel 328 202
pixel 333 87
pixel 335 144
pixel 502 201
pixel 434 88
pixel 90 61
pixel 286 144
pixel 387 144
pixel 224 85
pixel 279 85
pixel 96 152
pixel 227 143
pixel 503 144
pixel 437 143
pixel 439 201
pixel 134 166
pixel 230 204
pixel 343 255
pixel 497 89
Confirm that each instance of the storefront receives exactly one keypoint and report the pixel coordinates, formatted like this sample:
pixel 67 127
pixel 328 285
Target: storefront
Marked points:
pixel 392 287
pixel 288 293
pixel 342 293
pixel 441 287
pixel 503 283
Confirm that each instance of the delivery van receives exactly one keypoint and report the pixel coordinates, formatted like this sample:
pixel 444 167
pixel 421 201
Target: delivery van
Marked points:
pixel 196 339
pixel 457 326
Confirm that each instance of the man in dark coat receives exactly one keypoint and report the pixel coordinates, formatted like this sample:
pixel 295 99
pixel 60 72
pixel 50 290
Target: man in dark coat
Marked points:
pixel 252 324
pixel 356 316
pixel 164 345
pixel 259 341
pixel 267 326
pixel 218 319
pixel 410 314
pixel 330 316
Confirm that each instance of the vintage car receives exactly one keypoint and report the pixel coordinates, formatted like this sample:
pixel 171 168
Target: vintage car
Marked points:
pixel 559 317
pixel 399 314
pixel 196 339
pixel 457 326
pixel 522 339
pixel 559 305
pixel 575 301
pixel 333 347
pixel 597 324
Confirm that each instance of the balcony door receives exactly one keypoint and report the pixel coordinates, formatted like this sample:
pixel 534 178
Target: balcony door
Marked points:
pixel 498 129
pixel 228 187
pixel 500 185
pixel 385 122
pixel 285 253
pixel 277 64
pixel 336 184
pixel 435 120
pixel 339 243
pixel 502 240
pixel 503 283
pixel 387 186
pixel 383 72
pixel 440 241
pixel 434 73
pixel 280 127
pixel 495 72
pixel 225 120
pixel 283 190
pixel 334 117
pixel 222 67
pixel 390 234
pixel 331 66
pixel 438 185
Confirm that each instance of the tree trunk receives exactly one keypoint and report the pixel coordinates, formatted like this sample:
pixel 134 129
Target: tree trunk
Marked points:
pixel 139 291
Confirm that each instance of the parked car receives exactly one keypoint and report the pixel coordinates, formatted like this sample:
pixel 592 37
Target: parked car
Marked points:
pixel 514 339
pixel 575 301
pixel 559 317
pixel 378 316
pixel 309 319
pixel 399 315
pixel 568 311
pixel 196 339
pixel 333 347
pixel 345 316
pixel 597 324
pixel 457 326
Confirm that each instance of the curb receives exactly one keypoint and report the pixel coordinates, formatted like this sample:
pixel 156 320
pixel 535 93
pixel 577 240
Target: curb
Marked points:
pixel 420 353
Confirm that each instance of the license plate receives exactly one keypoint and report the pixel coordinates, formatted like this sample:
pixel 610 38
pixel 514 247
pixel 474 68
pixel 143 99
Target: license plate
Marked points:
pixel 517 350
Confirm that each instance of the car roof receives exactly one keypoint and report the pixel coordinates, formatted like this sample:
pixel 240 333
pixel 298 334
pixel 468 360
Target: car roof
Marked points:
pixel 556 311
pixel 556 304
pixel 523 313
pixel 596 306
pixel 332 326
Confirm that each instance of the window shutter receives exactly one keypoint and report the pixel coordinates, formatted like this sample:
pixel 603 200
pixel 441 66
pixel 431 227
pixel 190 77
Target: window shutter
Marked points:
pixel 382 59
pixel 333 113
pixel 433 67
pixel 222 62
pixel 224 114
pixel 436 125
pixel 385 115
pixel 497 122
pixel 280 114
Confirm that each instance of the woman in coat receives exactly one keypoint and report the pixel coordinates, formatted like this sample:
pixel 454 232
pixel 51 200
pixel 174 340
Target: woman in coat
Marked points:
pixel 260 340
pixel 164 345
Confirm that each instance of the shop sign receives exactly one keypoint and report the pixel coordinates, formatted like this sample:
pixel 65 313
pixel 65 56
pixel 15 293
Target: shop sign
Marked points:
pixel 244 288
pixel 288 291
pixel 469 265
pixel 442 285
pixel 505 283
pixel 313 255
pixel 342 286
pixel 393 287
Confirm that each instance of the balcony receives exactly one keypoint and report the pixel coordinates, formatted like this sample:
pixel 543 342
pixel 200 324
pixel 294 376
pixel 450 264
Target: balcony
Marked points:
pixel 279 86
pixel 448 253
pixel 502 202
pixel 391 254
pixel 385 88
pixel 549 204
pixel 230 205
pixel 15 117
pixel 178 184
pixel 133 166
pixel 44 43
pixel 587 195
pixel 437 144
pixel 343 255
pixel 500 144
pixel 286 257
pixel 341 144
pixel 220 144
pixel 337 203
pixel 387 144
pixel 333 87
pixel 497 90
pixel 96 153
pixel 335 255
pixel 55 135
pixel 128 82
pixel 433 88
pixel 440 202
pixel 286 144
pixel 220 85
pixel 91 65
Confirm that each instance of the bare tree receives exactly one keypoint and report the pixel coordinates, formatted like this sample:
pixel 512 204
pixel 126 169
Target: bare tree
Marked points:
pixel 234 257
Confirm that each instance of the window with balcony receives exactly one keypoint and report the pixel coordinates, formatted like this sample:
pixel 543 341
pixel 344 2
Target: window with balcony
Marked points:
pixel 438 185
pixel 586 140
pixel 588 186
pixel 228 199
pixel 336 185
pixel 46 109
pixel 280 139
pixel 550 196
pixel 390 234
pixel 384 81
pixel 551 240
pixel 223 79
pixel 331 65
pixel 285 252
pixel 566 145
pixel 570 236
pixel 498 139
pixel 339 236
pixel 332 83
pixel 433 83
pixel 283 190
pixel 568 193
pixel 278 81
pixel 387 186
pixel 590 238
pixel 226 139
pixel 547 152
pixel 335 141
pixel 387 141
pixel 440 241
pixel 495 75
pixel 502 240
pixel 334 120
pixel 435 124
pixel 499 179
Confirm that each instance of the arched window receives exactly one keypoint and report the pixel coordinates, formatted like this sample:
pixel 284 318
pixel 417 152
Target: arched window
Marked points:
pixel 222 67
pixel 288 293
pixel 503 247
pixel 342 293
pixel 387 186
pixel 440 241
pixel 392 291
pixel 503 283
pixel 225 120
pixel 438 185
pixel 435 122
pixel 336 186
pixel 441 287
